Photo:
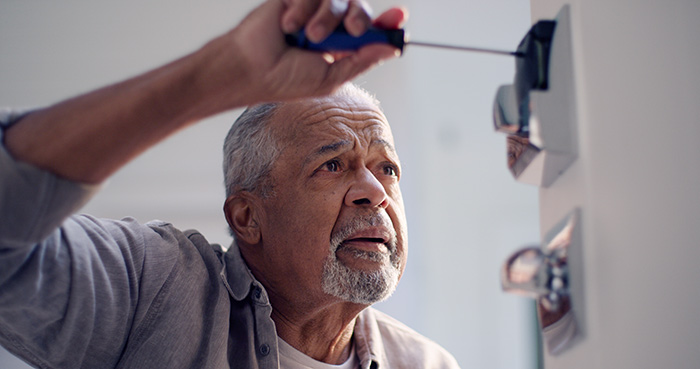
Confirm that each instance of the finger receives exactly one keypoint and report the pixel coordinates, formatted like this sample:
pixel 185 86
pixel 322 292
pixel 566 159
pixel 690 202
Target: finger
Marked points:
pixel 297 13
pixel 326 19
pixel 355 64
pixel 392 18
pixel 358 17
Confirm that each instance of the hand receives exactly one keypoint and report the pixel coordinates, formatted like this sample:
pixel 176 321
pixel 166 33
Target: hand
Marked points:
pixel 88 137
pixel 254 55
pixel 321 20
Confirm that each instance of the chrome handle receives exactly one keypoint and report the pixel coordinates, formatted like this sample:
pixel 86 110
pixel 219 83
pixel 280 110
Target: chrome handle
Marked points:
pixel 542 273
pixel 534 273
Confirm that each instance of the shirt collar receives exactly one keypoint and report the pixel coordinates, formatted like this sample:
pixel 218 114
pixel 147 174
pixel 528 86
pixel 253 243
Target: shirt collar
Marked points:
pixel 236 275
pixel 368 340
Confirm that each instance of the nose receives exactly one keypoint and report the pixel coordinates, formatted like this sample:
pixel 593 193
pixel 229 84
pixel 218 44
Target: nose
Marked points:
pixel 366 191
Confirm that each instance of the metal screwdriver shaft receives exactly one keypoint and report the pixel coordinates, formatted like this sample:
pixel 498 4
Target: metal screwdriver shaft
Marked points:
pixel 463 48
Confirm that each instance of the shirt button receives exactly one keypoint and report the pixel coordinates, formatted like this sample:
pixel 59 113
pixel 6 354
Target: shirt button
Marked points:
pixel 258 293
pixel 264 349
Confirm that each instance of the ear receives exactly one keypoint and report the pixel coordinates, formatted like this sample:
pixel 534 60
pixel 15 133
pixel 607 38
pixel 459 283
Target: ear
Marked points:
pixel 241 216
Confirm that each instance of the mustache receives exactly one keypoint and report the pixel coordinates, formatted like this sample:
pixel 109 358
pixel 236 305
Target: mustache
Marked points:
pixel 361 223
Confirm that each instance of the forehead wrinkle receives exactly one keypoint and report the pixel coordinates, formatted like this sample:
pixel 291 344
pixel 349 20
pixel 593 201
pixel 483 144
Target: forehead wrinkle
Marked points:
pixel 338 119
pixel 337 115
pixel 345 108
pixel 343 144
pixel 346 119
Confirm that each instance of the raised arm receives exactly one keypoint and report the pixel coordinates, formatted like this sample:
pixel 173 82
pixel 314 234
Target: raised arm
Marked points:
pixel 89 137
pixel 69 295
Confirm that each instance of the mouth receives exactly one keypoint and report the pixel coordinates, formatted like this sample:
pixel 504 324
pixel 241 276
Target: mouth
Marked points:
pixel 367 244
pixel 373 239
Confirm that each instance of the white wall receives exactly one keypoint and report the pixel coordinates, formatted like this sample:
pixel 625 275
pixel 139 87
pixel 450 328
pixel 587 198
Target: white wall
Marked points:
pixel 465 212
pixel 637 180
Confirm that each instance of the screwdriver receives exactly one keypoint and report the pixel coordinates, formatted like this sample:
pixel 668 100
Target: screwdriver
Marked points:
pixel 341 40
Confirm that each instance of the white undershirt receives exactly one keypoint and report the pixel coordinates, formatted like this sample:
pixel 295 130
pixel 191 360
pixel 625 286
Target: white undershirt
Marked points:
pixel 291 358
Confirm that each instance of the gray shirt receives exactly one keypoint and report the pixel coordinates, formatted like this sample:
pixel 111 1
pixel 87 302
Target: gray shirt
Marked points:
pixel 82 292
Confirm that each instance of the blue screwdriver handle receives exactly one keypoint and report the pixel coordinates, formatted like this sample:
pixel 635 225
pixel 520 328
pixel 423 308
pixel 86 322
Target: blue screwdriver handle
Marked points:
pixel 341 40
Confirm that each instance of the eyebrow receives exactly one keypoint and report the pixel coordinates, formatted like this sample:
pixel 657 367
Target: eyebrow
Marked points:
pixel 340 145
pixel 385 144
pixel 334 147
pixel 325 149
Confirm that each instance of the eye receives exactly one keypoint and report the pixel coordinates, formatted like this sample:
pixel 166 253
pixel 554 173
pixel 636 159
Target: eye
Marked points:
pixel 391 170
pixel 331 165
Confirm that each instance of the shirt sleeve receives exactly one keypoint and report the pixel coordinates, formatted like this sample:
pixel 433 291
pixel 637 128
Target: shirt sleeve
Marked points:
pixel 33 202
pixel 70 285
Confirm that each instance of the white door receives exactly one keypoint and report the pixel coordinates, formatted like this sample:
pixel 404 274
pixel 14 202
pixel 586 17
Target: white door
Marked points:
pixel 637 182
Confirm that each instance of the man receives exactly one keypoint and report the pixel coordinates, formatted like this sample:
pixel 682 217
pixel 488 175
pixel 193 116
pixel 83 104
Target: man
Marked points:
pixel 318 217
pixel 319 231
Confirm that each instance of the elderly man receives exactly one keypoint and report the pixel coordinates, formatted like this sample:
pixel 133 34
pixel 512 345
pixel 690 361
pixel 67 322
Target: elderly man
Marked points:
pixel 316 210
pixel 313 203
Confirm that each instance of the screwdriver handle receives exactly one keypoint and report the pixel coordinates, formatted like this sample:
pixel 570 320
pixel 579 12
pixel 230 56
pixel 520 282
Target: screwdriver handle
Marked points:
pixel 341 40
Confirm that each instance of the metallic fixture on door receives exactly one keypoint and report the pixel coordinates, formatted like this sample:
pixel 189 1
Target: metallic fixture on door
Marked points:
pixel 537 111
pixel 545 273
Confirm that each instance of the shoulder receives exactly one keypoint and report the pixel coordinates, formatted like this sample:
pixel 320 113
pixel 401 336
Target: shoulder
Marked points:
pixel 155 246
pixel 398 342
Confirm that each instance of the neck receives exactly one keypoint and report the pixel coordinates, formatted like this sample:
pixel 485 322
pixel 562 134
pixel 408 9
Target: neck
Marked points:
pixel 324 335
pixel 319 325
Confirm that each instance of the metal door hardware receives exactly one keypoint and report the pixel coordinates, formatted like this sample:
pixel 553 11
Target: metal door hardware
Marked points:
pixel 544 274
pixel 537 110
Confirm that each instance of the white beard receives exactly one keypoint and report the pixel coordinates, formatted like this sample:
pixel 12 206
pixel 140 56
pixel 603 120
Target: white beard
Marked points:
pixel 362 286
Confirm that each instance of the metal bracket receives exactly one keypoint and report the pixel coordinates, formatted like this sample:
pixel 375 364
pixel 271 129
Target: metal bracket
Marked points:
pixel 538 110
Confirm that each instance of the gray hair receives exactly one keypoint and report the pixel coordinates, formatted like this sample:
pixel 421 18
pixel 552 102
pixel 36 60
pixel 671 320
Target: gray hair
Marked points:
pixel 250 151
